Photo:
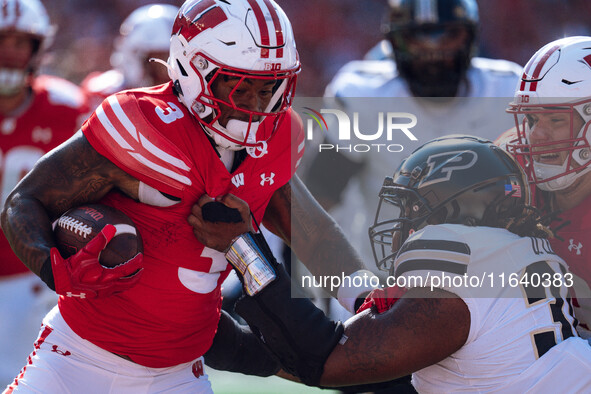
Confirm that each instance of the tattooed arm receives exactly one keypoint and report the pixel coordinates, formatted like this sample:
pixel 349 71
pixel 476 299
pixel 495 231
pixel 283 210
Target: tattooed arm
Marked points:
pixel 71 175
pixel 317 240
pixel 419 331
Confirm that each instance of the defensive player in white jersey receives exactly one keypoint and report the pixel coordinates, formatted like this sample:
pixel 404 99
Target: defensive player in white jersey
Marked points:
pixel 37 113
pixel 432 43
pixel 143 35
pixel 223 124
pixel 485 307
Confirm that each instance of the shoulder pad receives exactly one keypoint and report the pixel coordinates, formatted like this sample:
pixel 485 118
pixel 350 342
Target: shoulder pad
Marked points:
pixel 497 65
pixel 104 84
pixel 60 91
pixel 435 243
pixel 361 73
pixel 385 68
pixel 120 131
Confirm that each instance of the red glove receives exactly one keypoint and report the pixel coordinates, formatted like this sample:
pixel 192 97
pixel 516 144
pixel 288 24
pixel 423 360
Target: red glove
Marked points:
pixel 81 275
pixel 382 299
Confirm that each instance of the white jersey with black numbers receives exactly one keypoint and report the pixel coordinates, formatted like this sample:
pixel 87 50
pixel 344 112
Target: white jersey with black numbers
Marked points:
pixel 522 332
pixel 369 87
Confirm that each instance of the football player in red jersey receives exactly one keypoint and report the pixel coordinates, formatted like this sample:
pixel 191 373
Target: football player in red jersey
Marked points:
pixel 552 109
pixel 37 113
pixel 223 124
pixel 143 35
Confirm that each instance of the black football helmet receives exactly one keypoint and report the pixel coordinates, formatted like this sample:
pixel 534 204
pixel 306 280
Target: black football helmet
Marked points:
pixel 433 42
pixel 454 179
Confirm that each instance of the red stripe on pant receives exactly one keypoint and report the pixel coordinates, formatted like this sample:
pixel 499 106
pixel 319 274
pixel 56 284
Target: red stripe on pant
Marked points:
pixel 44 334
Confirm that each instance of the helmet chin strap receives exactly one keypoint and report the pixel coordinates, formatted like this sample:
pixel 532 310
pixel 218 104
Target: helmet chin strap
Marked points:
pixel 261 148
pixel 545 171
pixel 237 129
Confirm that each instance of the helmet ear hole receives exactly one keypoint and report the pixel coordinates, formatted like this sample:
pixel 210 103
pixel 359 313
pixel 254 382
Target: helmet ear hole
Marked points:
pixel 229 43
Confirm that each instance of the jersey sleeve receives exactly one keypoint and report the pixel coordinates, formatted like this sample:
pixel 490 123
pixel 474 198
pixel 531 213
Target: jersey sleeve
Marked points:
pixel 438 257
pixel 119 131
pixel 433 257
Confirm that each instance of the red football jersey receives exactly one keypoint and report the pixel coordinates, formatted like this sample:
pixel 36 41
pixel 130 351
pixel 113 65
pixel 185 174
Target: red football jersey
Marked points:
pixel 56 111
pixel 575 248
pixel 171 315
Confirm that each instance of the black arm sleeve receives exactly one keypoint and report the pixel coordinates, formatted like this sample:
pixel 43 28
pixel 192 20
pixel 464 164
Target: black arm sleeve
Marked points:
pixel 299 334
pixel 236 349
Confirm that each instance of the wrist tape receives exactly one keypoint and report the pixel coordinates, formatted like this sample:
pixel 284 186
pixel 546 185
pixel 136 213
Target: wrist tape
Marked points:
pixel 250 255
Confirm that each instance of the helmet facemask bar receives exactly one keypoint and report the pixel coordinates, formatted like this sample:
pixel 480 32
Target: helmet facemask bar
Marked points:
pixel 386 234
pixel 209 108
pixel 575 149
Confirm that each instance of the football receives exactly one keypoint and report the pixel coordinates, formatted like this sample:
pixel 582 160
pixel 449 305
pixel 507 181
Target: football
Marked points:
pixel 79 225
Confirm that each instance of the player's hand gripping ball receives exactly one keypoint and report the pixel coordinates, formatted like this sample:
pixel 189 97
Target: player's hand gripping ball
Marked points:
pixel 99 252
pixel 79 225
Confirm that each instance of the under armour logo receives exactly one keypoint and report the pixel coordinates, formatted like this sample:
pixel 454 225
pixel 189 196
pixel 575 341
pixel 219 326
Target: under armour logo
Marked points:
pixel 267 179
pixel 577 247
pixel 238 180
pixel 56 350
pixel 70 294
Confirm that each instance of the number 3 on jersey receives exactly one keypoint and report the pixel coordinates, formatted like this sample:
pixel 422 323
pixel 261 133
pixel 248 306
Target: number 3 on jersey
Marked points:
pixel 169 114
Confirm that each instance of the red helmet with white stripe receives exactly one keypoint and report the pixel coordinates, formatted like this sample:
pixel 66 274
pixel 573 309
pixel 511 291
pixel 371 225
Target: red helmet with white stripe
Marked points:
pixel 241 39
pixel 556 80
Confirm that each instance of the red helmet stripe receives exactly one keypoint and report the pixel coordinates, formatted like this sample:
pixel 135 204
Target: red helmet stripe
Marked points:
pixel 278 29
pixel 539 66
pixel 201 16
pixel 260 17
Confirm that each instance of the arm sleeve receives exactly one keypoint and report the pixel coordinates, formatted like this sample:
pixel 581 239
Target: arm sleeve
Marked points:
pixel 236 349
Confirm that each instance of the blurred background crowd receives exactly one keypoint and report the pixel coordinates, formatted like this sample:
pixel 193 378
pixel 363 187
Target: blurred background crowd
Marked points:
pixel 328 33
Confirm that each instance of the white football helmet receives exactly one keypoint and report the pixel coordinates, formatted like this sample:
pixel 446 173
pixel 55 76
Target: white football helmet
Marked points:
pixel 557 79
pixel 248 39
pixel 145 30
pixel 29 17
